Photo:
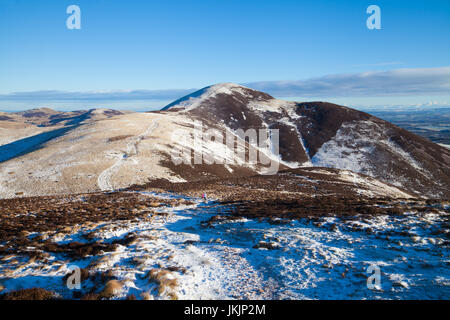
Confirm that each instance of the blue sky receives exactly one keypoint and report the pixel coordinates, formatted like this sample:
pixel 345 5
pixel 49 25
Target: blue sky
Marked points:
pixel 161 45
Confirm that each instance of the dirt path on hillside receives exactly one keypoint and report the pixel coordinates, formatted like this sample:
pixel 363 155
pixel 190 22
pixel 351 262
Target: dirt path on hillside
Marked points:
pixel 104 179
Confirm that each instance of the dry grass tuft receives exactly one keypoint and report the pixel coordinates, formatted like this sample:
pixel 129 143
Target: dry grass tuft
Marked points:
pixel 173 296
pixel 146 296
pixel 165 280
pixel 167 285
pixel 112 288
pixel 154 204
pixel 91 296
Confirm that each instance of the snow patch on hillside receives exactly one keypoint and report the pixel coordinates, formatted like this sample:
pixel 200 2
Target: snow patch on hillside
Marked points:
pixel 273 105
pixel 372 187
pixel 356 147
pixel 195 100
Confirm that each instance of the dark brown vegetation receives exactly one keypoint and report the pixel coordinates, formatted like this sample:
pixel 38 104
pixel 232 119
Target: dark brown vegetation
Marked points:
pixel 289 184
pixel 118 138
pixel 27 224
pixel 29 294
pixel 294 194
pixel 324 120
pixel 282 211
pixel 317 207
pixel 77 249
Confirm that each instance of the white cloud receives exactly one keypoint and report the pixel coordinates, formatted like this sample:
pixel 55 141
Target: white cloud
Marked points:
pixel 378 64
pixel 399 82
pixel 119 95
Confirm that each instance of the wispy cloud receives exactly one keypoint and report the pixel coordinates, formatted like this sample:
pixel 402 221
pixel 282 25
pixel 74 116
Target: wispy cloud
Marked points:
pixel 132 95
pixel 379 64
pixel 399 82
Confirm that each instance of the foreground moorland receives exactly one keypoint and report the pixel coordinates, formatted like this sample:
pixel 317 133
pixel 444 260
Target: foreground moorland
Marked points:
pixel 97 196
pixel 153 243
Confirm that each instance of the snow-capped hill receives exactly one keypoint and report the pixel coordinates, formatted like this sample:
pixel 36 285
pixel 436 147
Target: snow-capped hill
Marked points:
pixel 105 113
pixel 328 135
pixel 210 94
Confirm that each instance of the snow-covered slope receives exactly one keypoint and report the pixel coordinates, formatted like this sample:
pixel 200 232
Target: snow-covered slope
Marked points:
pixel 324 134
